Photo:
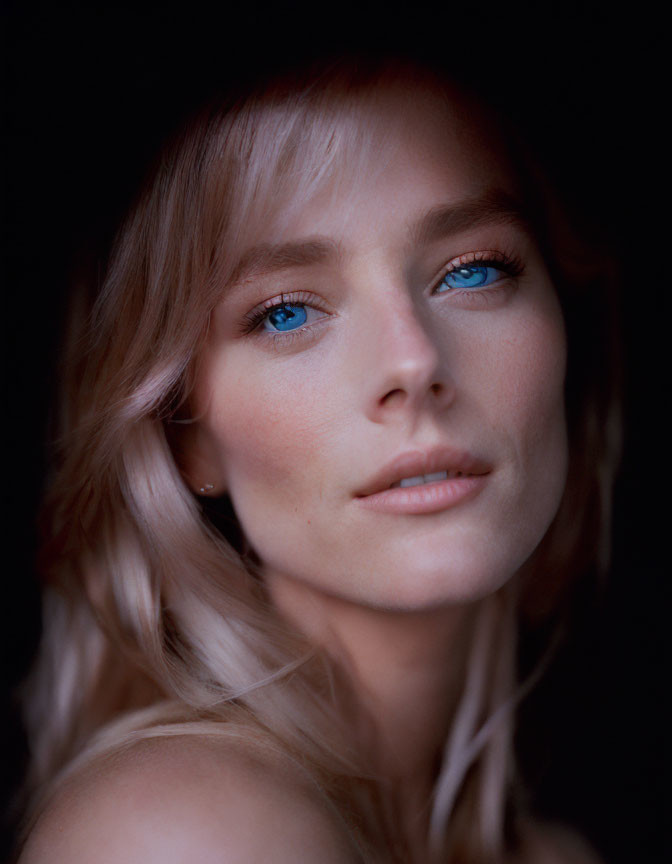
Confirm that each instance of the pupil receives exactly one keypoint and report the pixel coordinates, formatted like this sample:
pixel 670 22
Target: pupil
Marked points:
pixel 282 315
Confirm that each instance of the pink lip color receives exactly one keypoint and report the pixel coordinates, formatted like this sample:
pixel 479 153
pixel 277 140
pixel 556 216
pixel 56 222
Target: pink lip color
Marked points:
pixel 428 498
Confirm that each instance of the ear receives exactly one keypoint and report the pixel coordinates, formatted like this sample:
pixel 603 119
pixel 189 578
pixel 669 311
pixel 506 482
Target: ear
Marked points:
pixel 199 459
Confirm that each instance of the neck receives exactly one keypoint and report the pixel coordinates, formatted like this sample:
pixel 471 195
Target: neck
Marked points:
pixel 407 668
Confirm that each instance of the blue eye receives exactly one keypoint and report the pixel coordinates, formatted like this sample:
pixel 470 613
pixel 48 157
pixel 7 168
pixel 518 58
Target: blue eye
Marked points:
pixel 289 316
pixel 470 276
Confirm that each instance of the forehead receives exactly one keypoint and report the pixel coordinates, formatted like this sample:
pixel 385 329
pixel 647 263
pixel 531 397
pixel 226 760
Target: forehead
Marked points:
pixel 419 150
pixel 403 149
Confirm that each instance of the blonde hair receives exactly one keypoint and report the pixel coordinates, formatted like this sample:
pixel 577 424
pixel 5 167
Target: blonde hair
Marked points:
pixel 154 622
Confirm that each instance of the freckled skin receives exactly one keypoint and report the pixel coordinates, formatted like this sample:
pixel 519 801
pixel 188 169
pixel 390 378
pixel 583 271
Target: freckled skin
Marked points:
pixel 292 433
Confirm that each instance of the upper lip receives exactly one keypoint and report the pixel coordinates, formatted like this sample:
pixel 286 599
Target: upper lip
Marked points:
pixel 417 462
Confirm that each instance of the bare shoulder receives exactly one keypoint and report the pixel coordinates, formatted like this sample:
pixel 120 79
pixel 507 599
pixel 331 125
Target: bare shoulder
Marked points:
pixel 186 799
pixel 550 843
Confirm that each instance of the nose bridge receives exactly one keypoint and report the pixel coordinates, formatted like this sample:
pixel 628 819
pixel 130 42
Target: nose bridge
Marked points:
pixel 405 357
pixel 410 346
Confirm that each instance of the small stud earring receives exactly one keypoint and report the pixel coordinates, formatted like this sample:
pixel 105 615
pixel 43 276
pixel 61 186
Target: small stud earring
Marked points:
pixel 207 488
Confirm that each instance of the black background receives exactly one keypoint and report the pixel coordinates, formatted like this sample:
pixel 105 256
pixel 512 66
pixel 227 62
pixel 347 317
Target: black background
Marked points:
pixel 91 91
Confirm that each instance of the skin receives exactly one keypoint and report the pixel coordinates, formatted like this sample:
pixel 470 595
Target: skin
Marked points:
pixel 179 800
pixel 387 363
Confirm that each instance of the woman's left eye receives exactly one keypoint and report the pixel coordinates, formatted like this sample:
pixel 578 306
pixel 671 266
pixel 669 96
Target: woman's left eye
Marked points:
pixel 287 316
pixel 470 276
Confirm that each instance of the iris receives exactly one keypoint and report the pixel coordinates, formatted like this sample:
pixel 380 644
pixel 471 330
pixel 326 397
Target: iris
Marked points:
pixel 286 317
pixel 470 276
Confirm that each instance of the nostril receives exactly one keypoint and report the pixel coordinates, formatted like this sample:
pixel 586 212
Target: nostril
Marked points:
pixel 399 393
pixel 392 396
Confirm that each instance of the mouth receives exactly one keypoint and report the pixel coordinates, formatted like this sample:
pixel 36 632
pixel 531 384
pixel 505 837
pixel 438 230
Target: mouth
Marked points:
pixel 418 468
pixel 417 482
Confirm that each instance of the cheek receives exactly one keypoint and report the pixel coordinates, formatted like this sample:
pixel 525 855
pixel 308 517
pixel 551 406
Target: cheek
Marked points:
pixel 267 426
pixel 532 375
pixel 521 365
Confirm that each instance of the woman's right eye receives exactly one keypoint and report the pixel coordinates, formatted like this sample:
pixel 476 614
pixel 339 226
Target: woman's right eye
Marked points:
pixel 284 314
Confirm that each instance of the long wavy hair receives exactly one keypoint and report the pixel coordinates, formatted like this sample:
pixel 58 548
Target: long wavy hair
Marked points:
pixel 156 621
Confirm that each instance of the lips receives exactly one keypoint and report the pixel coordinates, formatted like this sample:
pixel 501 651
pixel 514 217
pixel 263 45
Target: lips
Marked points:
pixel 424 464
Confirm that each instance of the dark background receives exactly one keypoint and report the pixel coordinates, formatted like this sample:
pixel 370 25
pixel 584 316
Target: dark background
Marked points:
pixel 91 91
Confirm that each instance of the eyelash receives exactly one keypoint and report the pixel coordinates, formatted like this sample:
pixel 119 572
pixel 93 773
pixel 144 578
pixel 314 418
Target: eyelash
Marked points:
pixel 511 265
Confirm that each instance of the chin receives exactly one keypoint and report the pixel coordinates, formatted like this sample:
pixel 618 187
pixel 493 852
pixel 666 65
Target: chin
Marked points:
pixel 458 573
pixel 451 586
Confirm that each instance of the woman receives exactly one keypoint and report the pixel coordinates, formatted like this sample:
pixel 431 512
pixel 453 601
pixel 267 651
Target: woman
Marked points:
pixel 321 448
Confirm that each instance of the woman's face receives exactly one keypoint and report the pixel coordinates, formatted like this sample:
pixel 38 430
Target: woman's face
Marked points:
pixel 401 326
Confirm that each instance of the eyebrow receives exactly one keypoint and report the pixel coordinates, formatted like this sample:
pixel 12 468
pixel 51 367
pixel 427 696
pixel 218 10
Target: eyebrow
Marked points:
pixel 493 207
pixel 269 258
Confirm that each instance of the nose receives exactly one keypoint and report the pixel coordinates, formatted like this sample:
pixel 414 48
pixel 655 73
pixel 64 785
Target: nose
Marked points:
pixel 407 363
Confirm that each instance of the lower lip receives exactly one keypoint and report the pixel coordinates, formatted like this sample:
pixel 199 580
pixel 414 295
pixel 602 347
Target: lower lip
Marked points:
pixel 426 498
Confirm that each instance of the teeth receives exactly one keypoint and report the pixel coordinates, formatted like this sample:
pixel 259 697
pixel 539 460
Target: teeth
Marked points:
pixel 424 478
pixel 412 481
